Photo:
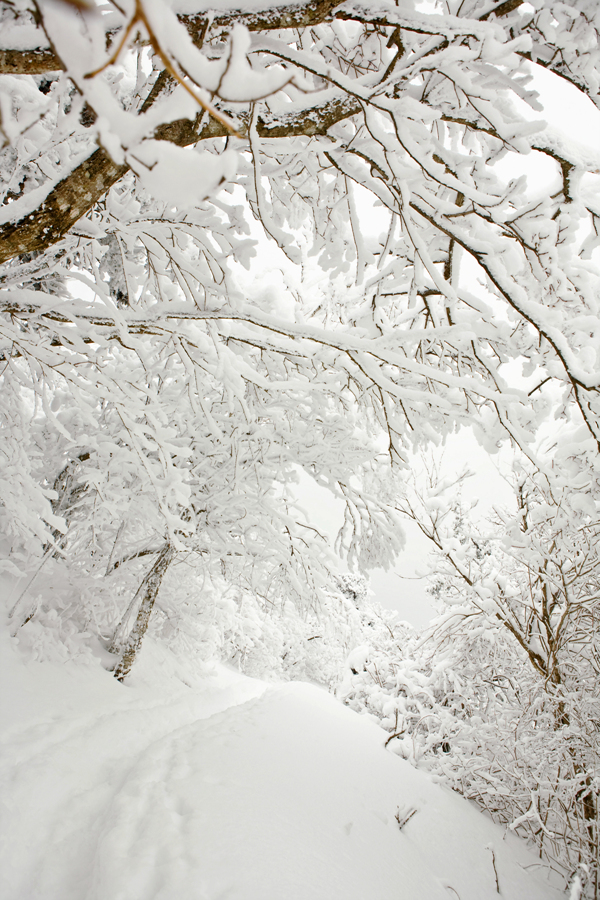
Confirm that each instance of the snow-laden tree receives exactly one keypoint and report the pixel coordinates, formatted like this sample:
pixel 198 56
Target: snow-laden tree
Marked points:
pixel 500 696
pixel 170 476
pixel 120 122
pixel 160 391
pixel 147 145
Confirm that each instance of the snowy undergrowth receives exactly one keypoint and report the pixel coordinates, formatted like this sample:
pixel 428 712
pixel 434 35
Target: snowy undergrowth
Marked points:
pixel 194 781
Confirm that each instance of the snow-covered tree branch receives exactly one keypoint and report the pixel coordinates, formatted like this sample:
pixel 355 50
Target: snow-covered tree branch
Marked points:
pixel 246 245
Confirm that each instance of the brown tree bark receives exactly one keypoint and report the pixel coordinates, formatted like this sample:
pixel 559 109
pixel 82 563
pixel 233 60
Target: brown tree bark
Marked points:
pixel 295 15
pixel 76 194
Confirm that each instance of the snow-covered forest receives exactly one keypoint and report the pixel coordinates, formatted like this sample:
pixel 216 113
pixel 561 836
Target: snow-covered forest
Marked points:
pixel 251 246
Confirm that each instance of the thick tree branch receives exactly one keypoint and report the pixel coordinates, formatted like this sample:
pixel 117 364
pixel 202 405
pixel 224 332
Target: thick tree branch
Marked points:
pixel 294 15
pixel 28 62
pixel 73 197
pixel 502 10
pixel 300 15
pixel 64 205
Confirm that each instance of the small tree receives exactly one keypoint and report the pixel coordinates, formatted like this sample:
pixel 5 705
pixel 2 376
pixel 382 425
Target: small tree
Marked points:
pixel 500 695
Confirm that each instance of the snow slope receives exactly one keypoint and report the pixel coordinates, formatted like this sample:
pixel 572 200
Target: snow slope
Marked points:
pixel 225 788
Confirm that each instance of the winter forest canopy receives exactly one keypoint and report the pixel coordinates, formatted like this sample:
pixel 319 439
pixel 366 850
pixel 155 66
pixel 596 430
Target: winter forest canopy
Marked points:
pixel 161 396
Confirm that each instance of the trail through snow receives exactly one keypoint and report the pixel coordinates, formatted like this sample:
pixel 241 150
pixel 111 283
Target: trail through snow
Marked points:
pixel 227 789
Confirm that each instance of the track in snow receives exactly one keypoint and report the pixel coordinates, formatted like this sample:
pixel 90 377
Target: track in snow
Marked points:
pixel 234 792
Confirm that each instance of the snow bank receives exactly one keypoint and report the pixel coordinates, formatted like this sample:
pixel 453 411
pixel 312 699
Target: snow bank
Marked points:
pixel 226 788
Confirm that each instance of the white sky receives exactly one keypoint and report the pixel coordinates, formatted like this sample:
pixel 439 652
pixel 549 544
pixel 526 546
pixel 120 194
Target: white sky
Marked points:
pixel 404 587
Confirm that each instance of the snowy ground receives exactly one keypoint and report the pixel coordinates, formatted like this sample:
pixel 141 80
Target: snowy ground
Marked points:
pixel 225 788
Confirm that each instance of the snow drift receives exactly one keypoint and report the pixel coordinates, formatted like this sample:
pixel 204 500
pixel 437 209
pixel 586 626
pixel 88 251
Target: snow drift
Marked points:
pixel 226 787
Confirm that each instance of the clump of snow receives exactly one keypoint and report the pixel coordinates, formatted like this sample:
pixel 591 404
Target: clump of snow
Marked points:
pixel 182 177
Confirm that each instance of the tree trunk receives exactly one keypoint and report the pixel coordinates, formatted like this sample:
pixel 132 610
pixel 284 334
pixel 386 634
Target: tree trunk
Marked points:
pixel 146 594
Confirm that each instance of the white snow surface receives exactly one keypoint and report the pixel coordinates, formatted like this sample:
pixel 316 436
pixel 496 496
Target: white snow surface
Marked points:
pixel 185 784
